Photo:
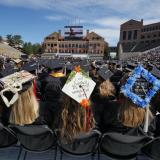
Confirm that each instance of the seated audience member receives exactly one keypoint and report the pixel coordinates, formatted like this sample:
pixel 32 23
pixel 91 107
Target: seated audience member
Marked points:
pixel 116 116
pixel 102 75
pixel 25 110
pixel 73 121
pixel 51 90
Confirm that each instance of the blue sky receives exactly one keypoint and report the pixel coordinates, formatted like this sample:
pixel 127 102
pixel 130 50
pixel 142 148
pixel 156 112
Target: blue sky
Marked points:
pixel 35 19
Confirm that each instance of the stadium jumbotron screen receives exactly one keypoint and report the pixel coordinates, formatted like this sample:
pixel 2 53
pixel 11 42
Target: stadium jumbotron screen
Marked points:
pixel 73 32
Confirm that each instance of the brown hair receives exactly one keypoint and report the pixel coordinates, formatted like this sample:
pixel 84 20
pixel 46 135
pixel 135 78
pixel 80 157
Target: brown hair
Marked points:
pixel 130 114
pixel 72 119
pixel 25 109
pixel 106 89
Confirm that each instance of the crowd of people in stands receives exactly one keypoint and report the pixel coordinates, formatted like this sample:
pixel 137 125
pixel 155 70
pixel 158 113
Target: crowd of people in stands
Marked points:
pixel 110 110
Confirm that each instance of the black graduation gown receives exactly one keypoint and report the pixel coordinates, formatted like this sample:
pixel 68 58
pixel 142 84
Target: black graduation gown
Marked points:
pixel 106 112
pixel 51 109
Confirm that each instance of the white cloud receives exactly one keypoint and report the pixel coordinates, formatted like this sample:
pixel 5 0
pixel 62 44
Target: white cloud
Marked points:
pixel 54 18
pixel 111 22
pixel 104 15
pixel 149 21
pixel 110 35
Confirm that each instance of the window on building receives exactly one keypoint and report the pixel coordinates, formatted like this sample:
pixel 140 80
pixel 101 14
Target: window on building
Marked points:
pixel 73 45
pixel 69 45
pixel 48 44
pixel 135 34
pixel 129 35
pixel 66 45
pixel 51 44
pixel 76 45
pixel 142 37
pixel 148 36
pixel 62 45
pixel 154 35
pixel 124 35
pixel 55 44
pixel 80 46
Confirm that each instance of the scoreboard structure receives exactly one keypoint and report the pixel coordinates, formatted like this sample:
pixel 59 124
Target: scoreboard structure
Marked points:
pixel 73 32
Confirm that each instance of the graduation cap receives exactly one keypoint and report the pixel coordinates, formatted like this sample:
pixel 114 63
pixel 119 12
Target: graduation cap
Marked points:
pixel 156 72
pixel 13 84
pixel 55 64
pixel 1 61
pixel 130 66
pixel 104 73
pixel 17 61
pixel 69 66
pixel 7 71
pixel 85 65
pixel 32 66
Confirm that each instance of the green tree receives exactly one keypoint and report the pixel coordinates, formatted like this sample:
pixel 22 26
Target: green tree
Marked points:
pixel 1 38
pixel 15 41
pixel 37 48
pixel 9 39
pixel 27 48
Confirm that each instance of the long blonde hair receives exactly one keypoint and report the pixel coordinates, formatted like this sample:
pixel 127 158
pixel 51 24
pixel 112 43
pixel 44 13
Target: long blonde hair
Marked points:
pixel 106 89
pixel 131 115
pixel 72 119
pixel 25 109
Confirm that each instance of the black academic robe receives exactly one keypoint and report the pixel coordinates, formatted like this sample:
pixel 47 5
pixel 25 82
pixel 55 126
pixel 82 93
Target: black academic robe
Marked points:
pixel 106 112
pixel 51 108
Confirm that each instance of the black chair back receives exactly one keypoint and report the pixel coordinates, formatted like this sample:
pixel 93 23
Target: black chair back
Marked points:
pixel 152 149
pixel 117 145
pixel 7 137
pixel 35 137
pixel 82 145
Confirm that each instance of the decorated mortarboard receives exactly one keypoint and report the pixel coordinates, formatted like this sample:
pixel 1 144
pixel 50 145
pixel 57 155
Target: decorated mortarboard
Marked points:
pixel 17 60
pixel 79 85
pixel 14 83
pixel 127 89
pixel 105 73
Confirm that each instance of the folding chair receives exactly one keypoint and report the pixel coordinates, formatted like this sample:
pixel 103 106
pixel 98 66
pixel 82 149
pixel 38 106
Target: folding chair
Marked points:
pixel 120 146
pixel 7 137
pixel 83 145
pixel 35 138
pixel 152 149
